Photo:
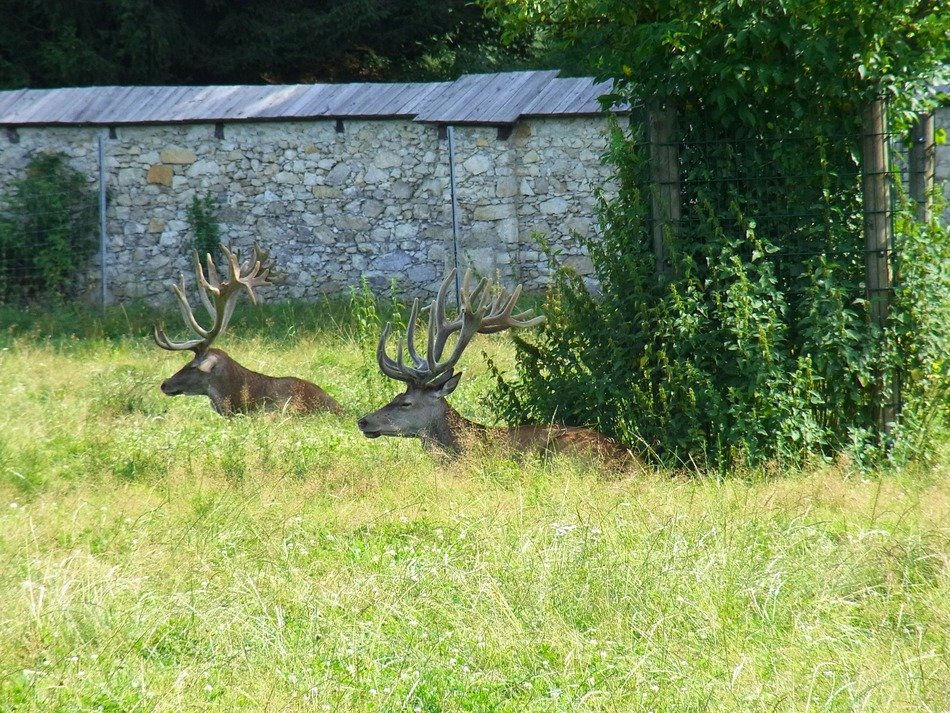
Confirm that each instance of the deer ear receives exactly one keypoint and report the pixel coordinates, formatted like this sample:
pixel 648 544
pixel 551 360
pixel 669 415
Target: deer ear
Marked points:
pixel 208 363
pixel 448 386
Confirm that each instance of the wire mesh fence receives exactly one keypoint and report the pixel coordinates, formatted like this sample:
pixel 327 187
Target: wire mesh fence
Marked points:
pixel 818 209
pixel 50 220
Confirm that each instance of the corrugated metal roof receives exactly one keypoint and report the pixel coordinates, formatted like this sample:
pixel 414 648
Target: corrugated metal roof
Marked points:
pixel 472 99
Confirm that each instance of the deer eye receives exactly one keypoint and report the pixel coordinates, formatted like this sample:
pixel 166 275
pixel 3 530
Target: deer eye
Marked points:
pixel 406 404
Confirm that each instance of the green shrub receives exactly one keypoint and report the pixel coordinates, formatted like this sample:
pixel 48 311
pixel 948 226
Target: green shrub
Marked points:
pixel 202 216
pixel 47 230
pixel 756 343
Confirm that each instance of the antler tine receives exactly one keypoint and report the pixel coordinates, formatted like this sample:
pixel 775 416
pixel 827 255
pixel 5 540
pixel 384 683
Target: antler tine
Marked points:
pixel 206 285
pixel 500 318
pixel 158 334
pixel 184 307
pixel 417 361
pixel 269 266
pixel 204 340
pixel 473 305
pixel 439 328
pixel 479 312
pixel 419 372
pixel 253 272
pixel 393 369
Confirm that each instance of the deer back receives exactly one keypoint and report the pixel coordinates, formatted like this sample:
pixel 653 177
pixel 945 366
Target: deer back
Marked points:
pixel 233 388
pixel 572 440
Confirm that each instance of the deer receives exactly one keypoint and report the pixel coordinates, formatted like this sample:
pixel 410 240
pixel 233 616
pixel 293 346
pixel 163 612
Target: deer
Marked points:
pixel 231 387
pixel 422 411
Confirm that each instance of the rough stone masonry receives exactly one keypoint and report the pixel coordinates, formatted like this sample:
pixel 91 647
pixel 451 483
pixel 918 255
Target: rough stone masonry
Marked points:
pixel 335 206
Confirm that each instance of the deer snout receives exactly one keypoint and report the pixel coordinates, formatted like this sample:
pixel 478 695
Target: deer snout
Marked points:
pixel 364 426
pixel 168 389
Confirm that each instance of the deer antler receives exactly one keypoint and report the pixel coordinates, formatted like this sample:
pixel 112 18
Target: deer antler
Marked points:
pixel 218 297
pixel 478 313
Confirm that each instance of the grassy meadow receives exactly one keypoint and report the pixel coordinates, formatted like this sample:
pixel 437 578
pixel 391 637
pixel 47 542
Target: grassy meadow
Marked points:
pixel 156 557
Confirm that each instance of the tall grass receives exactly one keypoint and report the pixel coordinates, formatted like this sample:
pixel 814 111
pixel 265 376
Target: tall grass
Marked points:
pixel 156 557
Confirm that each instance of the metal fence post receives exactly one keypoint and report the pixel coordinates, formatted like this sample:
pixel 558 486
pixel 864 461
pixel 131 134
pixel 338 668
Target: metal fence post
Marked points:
pixel 664 175
pixel 102 215
pixel 922 164
pixel 455 212
pixel 877 242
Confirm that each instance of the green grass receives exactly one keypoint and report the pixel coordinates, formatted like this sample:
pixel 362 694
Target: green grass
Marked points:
pixel 154 556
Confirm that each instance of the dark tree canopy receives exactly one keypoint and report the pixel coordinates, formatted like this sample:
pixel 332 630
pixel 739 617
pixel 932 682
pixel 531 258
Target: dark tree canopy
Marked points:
pixel 98 42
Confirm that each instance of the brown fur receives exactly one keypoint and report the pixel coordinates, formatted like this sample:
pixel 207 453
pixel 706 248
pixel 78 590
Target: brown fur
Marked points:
pixel 532 438
pixel 233 388
pixel 422 412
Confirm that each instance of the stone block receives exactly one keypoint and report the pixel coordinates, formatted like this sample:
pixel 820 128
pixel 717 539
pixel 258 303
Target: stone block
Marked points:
pixel 160 174
pixel 177 155
pixel 554 206
pixel 203 167
pixel 404 231
pixel 482 260
pixel 581 264
pixel 372 208
pixel 338 174
pixel 157 262
pixel 353 222
pixel 402 190
pixel 495 212
pixel 579 226
pixel 507 231
pixel 506 187
pixel 476 164
pixel 374 175
pixel 128 176
pixel 421 274
pixel 326 192
pixel 156 225
pixel 392 262
pixel 387 159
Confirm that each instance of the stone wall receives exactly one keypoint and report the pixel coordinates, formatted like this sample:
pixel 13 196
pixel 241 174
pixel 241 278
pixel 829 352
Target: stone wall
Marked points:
pixel 372 200
pixel 942 172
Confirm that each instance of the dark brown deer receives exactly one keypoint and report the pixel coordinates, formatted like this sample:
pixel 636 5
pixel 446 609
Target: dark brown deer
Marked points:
pixel 212 373
pixel 421 411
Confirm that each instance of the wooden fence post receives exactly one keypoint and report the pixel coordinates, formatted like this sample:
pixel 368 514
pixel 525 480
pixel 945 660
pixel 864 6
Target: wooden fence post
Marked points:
pixel 921 166
pixel 877 242
pixel 665 179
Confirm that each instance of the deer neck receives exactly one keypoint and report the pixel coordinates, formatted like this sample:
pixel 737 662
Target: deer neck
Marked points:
pixel 451 432
pixel 230 388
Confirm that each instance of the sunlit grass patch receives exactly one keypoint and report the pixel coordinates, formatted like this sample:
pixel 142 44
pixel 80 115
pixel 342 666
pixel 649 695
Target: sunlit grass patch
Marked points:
pixel 155 556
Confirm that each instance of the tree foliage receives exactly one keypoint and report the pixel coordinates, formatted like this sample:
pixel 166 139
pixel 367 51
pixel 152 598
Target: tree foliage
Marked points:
pixel 756 342
pixel 730 55
pixel 96 42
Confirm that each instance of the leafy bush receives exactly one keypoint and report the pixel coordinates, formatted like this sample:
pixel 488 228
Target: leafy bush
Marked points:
pixel 202 216
pixel 756 343
pixel 47 230
pixel 918 336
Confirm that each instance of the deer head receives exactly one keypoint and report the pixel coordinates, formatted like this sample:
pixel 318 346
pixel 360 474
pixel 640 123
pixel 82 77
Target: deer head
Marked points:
pixel 219 298
pixel 421 410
